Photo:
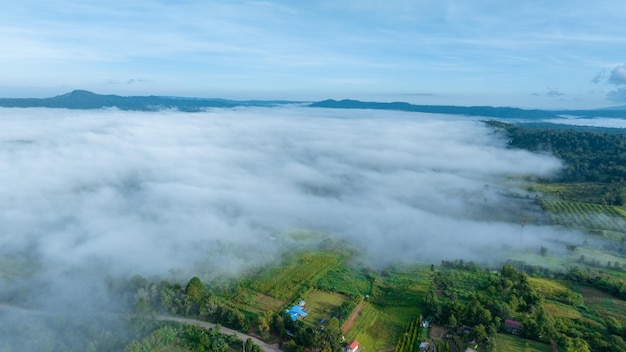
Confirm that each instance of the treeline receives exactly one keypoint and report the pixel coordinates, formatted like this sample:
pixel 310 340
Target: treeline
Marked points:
pixel 601 282
pixel 590 156
pixel 193 300
pixel 190 338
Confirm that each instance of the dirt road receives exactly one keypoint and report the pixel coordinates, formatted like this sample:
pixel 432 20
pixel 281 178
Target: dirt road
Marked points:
pixel 203 324
pixel 348 324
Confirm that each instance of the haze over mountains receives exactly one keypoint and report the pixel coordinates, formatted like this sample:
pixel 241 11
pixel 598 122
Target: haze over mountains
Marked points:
pixel 81 99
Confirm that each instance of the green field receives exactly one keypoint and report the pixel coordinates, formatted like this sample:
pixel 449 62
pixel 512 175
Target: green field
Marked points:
pixel 320 304
pixel 296 275
pixel 511 343
pixel 397 300
pixel 372 330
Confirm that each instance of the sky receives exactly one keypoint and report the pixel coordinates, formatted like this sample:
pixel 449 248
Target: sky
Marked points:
pixel 545 54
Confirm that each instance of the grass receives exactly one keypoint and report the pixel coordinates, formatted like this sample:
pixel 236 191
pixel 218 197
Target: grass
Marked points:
pixel 320 304
pixel 511 343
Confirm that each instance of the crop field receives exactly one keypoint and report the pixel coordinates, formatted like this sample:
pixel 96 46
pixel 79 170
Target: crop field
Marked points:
pixel 586 215
pixel 604 304
pixel 410 338
pixel 265 303
pixel 550 289
pixel 557 309
pixel 511 343
pixel 296 274
pixel 373 331
pixel 588 192
pixel 396 302
pixel 346 280
pixel 320 304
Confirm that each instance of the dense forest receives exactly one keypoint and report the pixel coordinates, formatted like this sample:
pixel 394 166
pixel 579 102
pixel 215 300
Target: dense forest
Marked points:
pixel 589 157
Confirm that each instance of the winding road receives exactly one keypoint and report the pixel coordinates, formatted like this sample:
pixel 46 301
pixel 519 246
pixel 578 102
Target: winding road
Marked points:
pixel 203 324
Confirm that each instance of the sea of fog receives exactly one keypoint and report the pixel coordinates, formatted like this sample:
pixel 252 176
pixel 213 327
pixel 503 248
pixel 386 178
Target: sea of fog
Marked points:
pixel 151 192
pixel 90 194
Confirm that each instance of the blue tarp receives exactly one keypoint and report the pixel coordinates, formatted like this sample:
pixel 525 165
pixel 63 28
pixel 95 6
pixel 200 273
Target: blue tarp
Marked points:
pixel 296 312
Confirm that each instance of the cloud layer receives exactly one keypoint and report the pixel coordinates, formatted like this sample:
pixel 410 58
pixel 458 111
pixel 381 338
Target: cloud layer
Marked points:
pixel 151 192
pixel 88 194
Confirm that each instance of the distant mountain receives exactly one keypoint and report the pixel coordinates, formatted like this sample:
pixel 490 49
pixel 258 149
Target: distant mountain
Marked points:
pixel 487 111
pixel 82 99
pixel 623 107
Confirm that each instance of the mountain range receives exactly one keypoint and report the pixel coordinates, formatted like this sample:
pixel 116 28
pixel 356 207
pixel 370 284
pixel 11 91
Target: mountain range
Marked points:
pixel 82 99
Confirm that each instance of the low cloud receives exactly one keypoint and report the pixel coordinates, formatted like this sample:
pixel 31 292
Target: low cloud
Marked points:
pixel 617 77
pixel 94 193
pixel 553 93
pixel 550 93
pixel 600 77
pixel 152 192
pixel 618 95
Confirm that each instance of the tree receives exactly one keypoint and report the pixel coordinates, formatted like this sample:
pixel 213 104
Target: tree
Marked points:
pixel 195 289
pixel 452 321
pixel 491 344
pixel 480 333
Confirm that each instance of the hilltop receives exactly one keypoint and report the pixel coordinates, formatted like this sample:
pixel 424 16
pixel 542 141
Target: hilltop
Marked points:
pixel 82 99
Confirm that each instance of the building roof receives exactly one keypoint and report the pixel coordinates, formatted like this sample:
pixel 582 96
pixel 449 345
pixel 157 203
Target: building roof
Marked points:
pixel 296 312
pixel 512 324
pixel 354 344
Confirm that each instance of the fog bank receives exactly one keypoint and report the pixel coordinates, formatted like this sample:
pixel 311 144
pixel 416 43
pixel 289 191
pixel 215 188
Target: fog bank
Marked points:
pixel 88 194
pixel 132 192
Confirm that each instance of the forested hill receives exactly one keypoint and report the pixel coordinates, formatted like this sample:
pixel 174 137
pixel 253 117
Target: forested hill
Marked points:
pixel 81 99
pixel 486 111
pixel 590 156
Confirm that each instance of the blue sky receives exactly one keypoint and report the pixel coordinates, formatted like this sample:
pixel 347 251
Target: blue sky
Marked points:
pixel 548 54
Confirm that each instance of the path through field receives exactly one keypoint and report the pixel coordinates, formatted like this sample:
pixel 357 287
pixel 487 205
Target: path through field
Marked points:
pixel 357 311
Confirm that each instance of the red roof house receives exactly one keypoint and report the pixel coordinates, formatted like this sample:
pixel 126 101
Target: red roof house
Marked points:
pixel 353 346
pixel 512 326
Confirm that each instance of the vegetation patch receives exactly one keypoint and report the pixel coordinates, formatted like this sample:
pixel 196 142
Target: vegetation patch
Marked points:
pixel 604 304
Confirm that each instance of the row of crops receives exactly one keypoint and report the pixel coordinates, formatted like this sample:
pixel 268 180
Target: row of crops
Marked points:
pixel 411 337
pixel 586 215
pixel 297 273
